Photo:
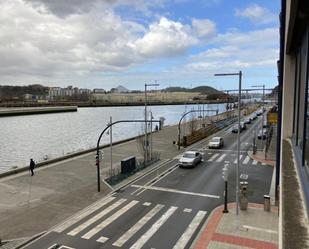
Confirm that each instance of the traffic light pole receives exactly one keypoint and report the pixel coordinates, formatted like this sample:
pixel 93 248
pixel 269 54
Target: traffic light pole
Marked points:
pixel 225 199
pixel 98 159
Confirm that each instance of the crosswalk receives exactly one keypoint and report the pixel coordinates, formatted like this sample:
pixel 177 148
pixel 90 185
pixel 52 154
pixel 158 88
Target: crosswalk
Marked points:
pixel 232 158
pixel 90 224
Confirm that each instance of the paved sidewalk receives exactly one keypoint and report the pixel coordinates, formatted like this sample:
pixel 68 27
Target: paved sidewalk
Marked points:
pixel 253 228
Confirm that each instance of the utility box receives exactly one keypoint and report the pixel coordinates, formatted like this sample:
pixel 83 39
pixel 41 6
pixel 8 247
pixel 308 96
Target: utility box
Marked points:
pixel 243 198
pixel 128 165
pixel 267 203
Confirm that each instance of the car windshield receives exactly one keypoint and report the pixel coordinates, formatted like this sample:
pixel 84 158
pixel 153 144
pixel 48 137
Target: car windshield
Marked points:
pixel 189 155
pixel 215 139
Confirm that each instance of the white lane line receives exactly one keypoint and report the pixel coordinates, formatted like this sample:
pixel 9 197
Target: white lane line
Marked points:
pixel 187 210
pixel 82 215
pixel 213 157
pixel 263 163
pixel 221 158
pixel 102 239
pixel 149 184
pixel 109 220
pixel 240 157
pixel 175 191
pixel 133 230
pixel 255 162
pixel 96 217
pixel 246 160
pixel 154 228
pixel 186 236
pixel 66 247
pixel 209 153
pixel 260 229
pixel 146 204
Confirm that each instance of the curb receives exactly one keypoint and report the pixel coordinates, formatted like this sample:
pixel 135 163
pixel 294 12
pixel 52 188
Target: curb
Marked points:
pixel 269 162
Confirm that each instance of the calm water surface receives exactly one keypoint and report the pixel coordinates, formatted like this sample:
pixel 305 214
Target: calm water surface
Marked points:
pixel 54 135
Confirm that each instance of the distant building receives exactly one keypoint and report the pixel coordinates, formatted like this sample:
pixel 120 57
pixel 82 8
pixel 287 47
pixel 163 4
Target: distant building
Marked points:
pixel 98 90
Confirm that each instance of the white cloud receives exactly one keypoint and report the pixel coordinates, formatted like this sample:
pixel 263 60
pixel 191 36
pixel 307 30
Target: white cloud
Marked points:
pixel 204 28
pixel 165 38
pixel 257 14
pixel 237 51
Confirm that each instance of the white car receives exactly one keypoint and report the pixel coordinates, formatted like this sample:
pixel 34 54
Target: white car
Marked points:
pixel 216 143
pixel 190 159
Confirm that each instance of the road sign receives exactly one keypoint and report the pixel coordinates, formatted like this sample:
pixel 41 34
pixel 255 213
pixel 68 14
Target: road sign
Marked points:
pixel 225 173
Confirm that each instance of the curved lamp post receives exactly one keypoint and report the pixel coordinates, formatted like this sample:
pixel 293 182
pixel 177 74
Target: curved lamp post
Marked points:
pixel 98 143
pixel 185 114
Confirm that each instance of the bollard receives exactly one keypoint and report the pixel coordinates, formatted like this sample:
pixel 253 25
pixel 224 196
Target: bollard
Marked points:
pixel 266 203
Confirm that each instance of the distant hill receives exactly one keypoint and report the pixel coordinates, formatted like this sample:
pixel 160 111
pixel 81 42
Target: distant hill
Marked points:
pixel 200 89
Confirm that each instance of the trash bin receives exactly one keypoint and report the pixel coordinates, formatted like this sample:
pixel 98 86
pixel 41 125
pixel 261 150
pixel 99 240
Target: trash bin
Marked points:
pixel 266 203
pixel 243 199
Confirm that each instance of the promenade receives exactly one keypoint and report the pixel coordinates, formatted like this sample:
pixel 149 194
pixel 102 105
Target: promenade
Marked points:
pixel 30 205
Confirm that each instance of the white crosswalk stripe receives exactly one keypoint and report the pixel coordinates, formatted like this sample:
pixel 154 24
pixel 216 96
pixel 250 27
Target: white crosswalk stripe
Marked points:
pixel 109 220
pixel 246 160
pixel 79 217
pixel 133 230
pixel 213 157
pixel 96 217
pixel 240 157
pixel 186 236
pixel 254 162
pixel 154 228
pixel 221 158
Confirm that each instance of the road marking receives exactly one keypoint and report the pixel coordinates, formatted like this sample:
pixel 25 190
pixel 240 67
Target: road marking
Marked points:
pixel 102 239
pixel 213 157
pixel 260 229
pixel 154 228
pixel 186 236
pixel 82 215
pixel 187 210
pixel 95 218
pixel 157 179
pixel 263 163
pixel 221 158
pixel 240 157
pixel 147 204
pixel 254 162
pixel 133 230
pixel 209 153
pixel 175 191
pixel 247 159
pixel 109 220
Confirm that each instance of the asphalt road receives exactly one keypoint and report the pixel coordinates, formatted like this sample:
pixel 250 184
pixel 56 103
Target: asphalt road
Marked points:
pixel 164 209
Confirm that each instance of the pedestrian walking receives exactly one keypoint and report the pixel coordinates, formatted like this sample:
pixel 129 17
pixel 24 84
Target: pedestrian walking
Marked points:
pixel 31 167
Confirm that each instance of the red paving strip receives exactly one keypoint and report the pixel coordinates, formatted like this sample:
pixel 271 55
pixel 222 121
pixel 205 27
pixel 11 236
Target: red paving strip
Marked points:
pixel 241 241
pixel 209 233
pixel 259 159
pixel 206 235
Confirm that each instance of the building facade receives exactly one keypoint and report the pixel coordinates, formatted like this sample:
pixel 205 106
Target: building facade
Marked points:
pixel 293 153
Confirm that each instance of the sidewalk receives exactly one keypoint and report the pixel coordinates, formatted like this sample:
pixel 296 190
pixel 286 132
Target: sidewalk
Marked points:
pixel 31 205
pixel 253 228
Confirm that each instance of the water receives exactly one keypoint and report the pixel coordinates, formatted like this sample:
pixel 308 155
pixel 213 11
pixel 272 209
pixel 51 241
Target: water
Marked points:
pixel 53 135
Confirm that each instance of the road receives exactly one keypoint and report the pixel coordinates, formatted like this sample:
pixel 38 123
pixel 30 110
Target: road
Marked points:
pixel 167 207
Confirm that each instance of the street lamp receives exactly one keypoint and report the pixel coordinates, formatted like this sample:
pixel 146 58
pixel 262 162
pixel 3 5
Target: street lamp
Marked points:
pixel 239 74
pixel 263 86
pixel 146 131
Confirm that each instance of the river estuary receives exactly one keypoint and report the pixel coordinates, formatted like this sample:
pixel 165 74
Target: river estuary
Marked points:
pixel 54 135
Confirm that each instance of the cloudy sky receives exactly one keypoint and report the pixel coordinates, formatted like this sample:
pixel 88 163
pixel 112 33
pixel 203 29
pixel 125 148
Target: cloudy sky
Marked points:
pixel 105 43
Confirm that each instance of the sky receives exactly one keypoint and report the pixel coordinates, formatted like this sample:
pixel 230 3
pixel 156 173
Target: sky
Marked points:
pixel 106 43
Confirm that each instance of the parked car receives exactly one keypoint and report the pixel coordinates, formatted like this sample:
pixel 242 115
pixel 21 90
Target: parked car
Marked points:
pixel 243 126
pixel 216 143
pixel 259 113
pixel 262 134
pixel 190 159
pixel 235 129
pixel 247 121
